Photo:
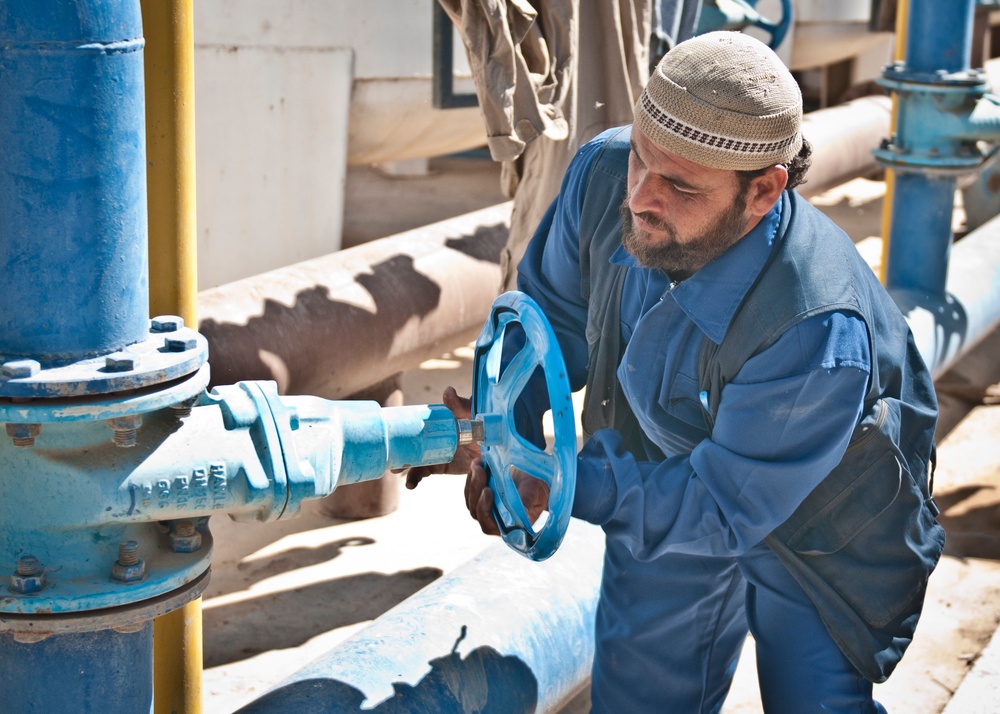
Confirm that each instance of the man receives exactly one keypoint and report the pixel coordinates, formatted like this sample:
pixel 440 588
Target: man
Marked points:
pixel 760 424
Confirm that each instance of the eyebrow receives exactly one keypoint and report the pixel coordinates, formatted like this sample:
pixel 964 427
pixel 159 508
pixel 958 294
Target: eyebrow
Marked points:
pixel 677 182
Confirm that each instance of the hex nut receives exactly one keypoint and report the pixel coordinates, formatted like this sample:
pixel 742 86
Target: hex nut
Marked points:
pixel 20 368
pixel 166 323
pixel 180 344
pixel 26 584
pixel 132 573
pixel 185 539
pixel 23 435
pixel 120 362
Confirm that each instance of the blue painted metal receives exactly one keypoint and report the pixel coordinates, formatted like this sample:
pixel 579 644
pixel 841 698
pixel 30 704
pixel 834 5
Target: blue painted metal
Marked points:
pixel 943 113
pixel 946 326
pixel 738 14
pixel 244 451
pixel 939 36
pixel 161 356
pixel 72 180
pixel 498 381
pixel 105 671
pixel 498 634
pixel 921 237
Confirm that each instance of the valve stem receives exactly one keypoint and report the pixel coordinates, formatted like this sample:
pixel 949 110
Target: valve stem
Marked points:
pixel 470 430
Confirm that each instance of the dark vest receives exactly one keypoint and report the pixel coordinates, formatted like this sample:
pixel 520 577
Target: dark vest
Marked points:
pixel 864 542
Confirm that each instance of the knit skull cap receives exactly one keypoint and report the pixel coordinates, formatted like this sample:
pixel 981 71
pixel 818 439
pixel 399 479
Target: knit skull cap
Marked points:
pixel 723 100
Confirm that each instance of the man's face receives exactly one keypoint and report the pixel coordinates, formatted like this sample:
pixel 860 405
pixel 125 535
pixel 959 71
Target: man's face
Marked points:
pixel 678 216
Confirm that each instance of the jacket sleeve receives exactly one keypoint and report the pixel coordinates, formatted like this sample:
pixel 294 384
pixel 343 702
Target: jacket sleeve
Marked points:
pixel 783 424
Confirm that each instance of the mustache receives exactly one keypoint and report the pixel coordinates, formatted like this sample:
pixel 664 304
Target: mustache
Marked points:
pixel 628 218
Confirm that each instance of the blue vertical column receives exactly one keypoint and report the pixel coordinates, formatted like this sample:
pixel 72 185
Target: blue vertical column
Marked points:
pixel 72 180
pixel 921 232
pixel 104 671
pixel 939 35
pixel 73 258
pixel 933 86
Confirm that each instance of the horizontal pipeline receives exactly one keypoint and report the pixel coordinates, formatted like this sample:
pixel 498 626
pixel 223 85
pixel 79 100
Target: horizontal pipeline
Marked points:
pixel 336 325
pixel 339 324
pixel 500 633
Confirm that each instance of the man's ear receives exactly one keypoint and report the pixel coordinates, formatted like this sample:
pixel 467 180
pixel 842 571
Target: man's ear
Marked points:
pixel 765 190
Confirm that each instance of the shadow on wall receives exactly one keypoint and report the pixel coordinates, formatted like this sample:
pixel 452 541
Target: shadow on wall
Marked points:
pixel 484 681
pixel 308 347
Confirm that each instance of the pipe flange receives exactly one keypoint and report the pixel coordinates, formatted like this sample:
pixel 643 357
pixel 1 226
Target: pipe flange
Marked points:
pixel 897 76
pixel 107 406
pixel 169 352
pixel 125 618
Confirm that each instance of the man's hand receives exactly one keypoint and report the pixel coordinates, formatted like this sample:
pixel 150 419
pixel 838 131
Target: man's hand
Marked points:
pixel 461 408
pixel 534 495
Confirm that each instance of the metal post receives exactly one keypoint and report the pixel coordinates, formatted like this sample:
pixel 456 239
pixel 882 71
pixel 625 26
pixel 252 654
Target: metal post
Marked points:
pixel 106 670
pixel 173 279
pixel 72 180
pixel 927 153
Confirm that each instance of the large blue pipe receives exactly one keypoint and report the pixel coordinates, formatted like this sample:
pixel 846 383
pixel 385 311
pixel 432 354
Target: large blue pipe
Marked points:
pixel 499 634
pixel 73 259
pixel 933 86
pixel 106 671
pixel 939 35
pixel 72 179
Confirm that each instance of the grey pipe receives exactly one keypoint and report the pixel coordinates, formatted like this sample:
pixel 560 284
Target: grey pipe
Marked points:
pixel 336 325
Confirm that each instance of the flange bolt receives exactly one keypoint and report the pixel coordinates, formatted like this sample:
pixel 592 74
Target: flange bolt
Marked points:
pixel 29 576
pixel 129 568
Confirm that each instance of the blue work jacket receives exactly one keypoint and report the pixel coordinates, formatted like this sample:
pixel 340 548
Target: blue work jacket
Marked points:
pixel 717 469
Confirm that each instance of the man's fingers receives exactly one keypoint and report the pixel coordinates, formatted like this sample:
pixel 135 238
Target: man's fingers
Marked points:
pixel 484 513
pixel 415 475
pixel 475 482
pixel 459 406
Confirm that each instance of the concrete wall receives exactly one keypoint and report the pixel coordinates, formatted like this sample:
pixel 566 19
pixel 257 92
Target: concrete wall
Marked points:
pixel 287 93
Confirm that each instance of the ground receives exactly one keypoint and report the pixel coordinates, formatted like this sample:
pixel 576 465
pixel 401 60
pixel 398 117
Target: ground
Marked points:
pixel 286 592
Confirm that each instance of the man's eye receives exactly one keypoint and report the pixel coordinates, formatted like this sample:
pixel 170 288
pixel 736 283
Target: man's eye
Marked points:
pixel 683 190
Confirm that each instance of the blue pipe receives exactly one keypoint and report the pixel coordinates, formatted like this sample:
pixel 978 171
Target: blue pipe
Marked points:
pixel 499 634
pixel 921 240
pixel 939 35
pixel 935 140
pixel 105 671
pixel 72 179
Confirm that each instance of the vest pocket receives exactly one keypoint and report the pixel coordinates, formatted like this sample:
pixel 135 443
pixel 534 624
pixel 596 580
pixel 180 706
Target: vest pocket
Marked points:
pixel 867 530
pixel 852 510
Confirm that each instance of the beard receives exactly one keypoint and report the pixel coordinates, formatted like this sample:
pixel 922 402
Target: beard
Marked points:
pixel 679 260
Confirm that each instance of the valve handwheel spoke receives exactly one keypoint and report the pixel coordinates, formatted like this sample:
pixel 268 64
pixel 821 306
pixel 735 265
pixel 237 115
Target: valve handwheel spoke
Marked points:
pixel 500 375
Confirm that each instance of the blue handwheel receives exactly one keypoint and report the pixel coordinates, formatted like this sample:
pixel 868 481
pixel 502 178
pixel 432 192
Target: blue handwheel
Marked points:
pixel 778 29
pixel 499 376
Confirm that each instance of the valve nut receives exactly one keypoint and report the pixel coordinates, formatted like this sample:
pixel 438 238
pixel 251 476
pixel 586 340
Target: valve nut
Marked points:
pixel 20 368
pixel 184 538
pixel 23 435
pixel 126 429
pixel 29 576
pixel 120 362
pixel 179 344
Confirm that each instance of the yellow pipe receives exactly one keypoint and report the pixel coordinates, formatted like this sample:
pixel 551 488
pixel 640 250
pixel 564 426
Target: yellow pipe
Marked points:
pixel 898 55
pixel 168 26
